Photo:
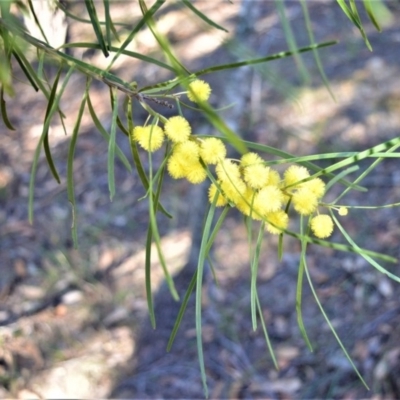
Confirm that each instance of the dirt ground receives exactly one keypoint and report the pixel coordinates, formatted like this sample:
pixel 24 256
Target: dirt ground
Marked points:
pixel 73 322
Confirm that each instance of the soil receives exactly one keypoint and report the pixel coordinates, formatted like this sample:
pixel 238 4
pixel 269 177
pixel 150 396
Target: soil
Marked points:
pixel 74 322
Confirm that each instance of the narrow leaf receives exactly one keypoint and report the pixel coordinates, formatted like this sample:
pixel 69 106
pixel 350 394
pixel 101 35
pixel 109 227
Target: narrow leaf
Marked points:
pixel 46 125
pixel 39 145
pixel 182 310
pixel 291 41
pixel 207 20
pixel 147 269
pixel 91 9
pixel 135 30
pixel 315 51
pixel 3 108
pixel 111 143
pixel 106 136
pixel 253 61
pixel 331 326
pixel 70 166
pixel 362 253
pixel 199 281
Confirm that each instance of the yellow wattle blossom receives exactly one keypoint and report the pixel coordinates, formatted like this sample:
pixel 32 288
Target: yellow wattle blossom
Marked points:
pixel 175 167
pixel 226 170
pixel 278 218
pixel 268 199
pixel 245 203
pixel 294 174
pixel 199 91
pixel 177 129
pixel 184 162
pixel 256 175
pixel 273 177
pixel 195 173
pixel 250 159
pixel 212 150
pixel 316 185
pixel 304 201
pixel 149 137
pixel 221 199
pixel 322 226
pixel 188 152
pixel 343 211
pixel 234 189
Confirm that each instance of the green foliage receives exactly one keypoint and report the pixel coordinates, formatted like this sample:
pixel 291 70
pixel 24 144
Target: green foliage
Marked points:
pixel 14 38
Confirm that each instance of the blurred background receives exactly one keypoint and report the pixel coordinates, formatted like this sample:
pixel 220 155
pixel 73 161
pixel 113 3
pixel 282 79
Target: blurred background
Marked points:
pixel 74 322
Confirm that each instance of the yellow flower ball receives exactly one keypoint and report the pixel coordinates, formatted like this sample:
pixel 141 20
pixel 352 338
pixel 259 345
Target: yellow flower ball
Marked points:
pixel 195 173
pixel 256 175
pixel 212 150
pixel 250 159
pixel 245 203
pixel 199 91
pixel 273 177
pixel 234 189
pixel 317 186
pixel 268 199
pixel 276 221
pixel 304 201
pixel 226 170
pixel 188 152
pixel 322 226
pixel 294 174
pixel 343 211
pixel 149 137
pixel 175 167
pixel 177 129
pixel 221 199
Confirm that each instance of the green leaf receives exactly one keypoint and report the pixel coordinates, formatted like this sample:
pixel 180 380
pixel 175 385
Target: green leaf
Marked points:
pixel 216 229
pixel 128 53
pixel 291 41
pixel 147 269
pixel 267 339
pixel 362 252
pixel 139 166
pixel 46 126
pixel 182 310
pixel 3 108
pixel 20 59
pixel 111 143
pixel 106 136
pixel 108 21
pixel 5 68
pixel 371 167
pixel 91 9
pixel 253 61
pixel 331 326
pixel 36 20
pixel 179 68
pixel 135 30
pixel 254 272
pixel 39 145
pixel 202 16
pixel 299 288
pixel 315 51
pixel 353 16
pixel 156 235
pixel 369 9
pixel 200 269
pixel 70 165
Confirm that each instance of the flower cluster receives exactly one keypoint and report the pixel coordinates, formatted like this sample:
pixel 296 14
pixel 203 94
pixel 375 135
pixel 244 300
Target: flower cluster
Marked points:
pixel 255 189
pixel 258 191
